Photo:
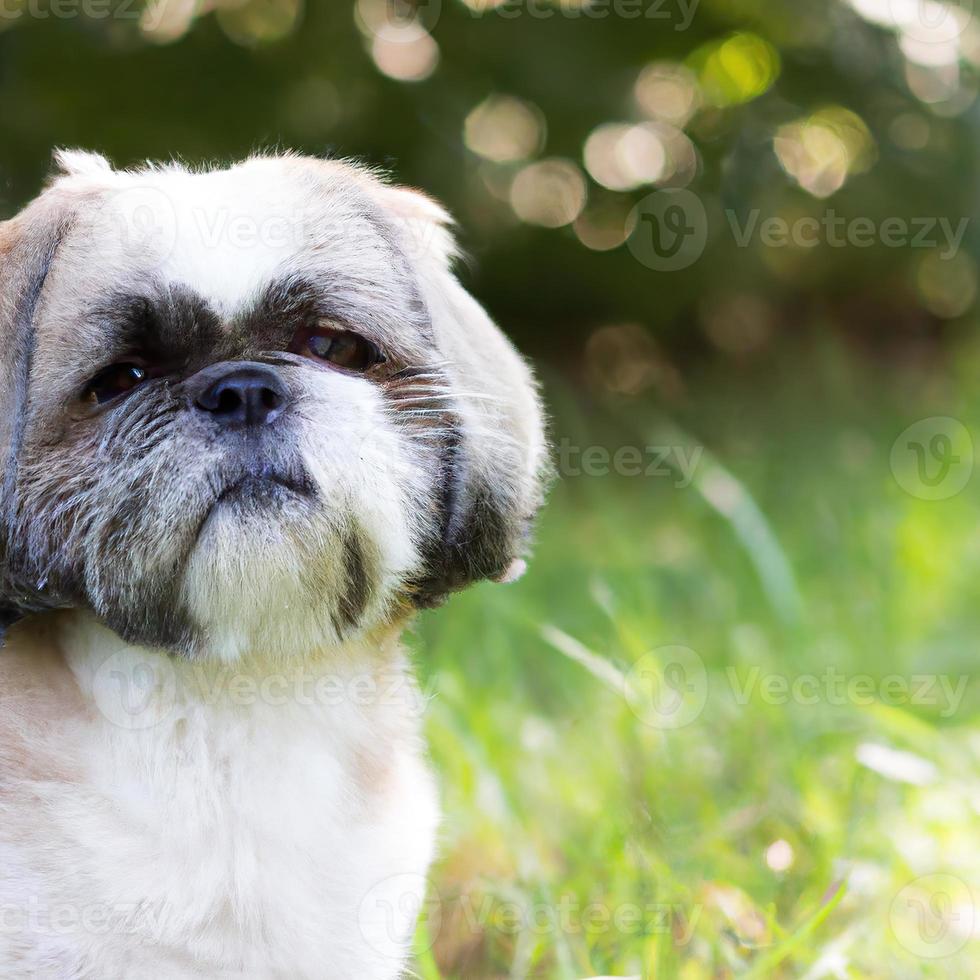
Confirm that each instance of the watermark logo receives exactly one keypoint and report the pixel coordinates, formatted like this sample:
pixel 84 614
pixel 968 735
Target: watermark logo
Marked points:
pixel 679 14
pixel 403 12
pixel 835 230
pixel 43 920
pixel 570 916
pixel 933 458
pixel 835 688
pixel 401 21
pixel 145 219
pixel 931 21
pixel 679 463
pixel 934 916
pixel 668 230
pixel 135 690
pixel 667 688
pixel 390 912
pixel 71 9
pixel 137 219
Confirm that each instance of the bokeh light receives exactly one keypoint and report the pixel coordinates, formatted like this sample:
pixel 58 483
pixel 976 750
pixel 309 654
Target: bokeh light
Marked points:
pixel 910 131
pixel 738 324
pixel 259 21
pixel 623 358
pixel 667 92
pixel 947 89
pixel 407 53
pixel 935 39
pixel 401 45
pixel 621 156
pixel 602 226
pixel 779 855
pixel 930 32
pixel 551 193
pixel 947 285
pixel 505 129
pixel 165 21
pixel 822 150
pixel 246 22
pixel 735 70
pixel 484 6
pixel 624 156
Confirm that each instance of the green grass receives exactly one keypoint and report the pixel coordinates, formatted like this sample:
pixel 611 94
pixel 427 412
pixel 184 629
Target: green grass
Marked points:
pixel 582 838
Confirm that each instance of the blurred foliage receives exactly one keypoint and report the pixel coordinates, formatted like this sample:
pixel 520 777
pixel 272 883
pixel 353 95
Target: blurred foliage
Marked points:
pixel 789 108
pixel 766 834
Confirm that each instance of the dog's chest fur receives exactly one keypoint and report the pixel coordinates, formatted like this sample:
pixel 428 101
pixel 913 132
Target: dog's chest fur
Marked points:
pixel 259 830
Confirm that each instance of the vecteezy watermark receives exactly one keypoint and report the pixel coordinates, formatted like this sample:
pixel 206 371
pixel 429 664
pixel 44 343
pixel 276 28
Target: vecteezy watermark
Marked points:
pixel 75 9
pixel 837 688
pixel 667 688
pixel 933 458
pixel 398 20
pixel 137 218
pixel 668 231
pixel 148 13
pixel 658 462
pixel 392 906
pixel 137 690
pixel 395 19
pixel 40 919
pixel 391 911
pixel 570 916
pixel 679 14
pixel 934 916
pixel 144 218
pixel 837 231
pixel 927 21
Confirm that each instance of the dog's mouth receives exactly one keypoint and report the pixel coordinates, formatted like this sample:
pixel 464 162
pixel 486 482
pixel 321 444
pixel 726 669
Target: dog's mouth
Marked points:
pixel 259 489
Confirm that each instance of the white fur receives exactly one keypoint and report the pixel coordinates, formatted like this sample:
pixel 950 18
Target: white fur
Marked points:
pixel 217 824
pixel 222 233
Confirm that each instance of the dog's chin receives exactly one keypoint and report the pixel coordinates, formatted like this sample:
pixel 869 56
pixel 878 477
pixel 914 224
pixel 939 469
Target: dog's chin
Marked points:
pixel 256 498
pixel 274 573
pixel 261 491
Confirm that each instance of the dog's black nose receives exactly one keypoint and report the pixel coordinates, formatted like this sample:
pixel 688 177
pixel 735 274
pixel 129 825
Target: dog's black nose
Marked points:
pixel 241 394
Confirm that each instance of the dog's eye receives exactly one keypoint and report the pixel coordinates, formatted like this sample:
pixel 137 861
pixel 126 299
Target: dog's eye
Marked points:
pixel 344 348
pixel 119 379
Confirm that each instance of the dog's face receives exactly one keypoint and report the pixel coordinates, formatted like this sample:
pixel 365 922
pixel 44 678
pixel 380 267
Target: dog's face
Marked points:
pixel 251 409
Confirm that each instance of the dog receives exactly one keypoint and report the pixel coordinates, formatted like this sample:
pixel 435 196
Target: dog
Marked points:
pixel 250 423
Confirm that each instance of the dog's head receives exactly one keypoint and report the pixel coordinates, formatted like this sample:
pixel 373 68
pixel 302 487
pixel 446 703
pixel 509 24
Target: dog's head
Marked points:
pixel 250 408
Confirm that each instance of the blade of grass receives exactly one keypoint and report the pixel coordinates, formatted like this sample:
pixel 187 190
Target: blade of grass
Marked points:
pixel 600 668
pixel 764 966
pixel 730 498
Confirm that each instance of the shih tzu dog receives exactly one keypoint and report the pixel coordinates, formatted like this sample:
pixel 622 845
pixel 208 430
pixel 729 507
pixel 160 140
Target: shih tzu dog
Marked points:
pixel 249 422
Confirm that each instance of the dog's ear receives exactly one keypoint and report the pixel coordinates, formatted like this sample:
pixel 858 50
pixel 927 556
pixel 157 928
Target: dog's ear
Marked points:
pixel 28 244
pixel 495 460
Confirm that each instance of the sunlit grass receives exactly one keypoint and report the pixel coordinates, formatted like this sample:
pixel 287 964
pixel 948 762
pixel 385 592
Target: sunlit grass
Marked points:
pixel 773 834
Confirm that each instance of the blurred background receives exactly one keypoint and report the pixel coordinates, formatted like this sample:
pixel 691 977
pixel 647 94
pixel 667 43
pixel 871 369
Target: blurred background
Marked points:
pixel 727 724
